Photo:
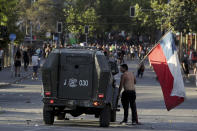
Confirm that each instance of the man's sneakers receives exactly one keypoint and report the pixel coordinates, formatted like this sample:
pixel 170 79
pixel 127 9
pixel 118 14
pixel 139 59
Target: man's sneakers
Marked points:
pixel 123 122
pixel 34 78
pixel 134 123
pixel 126 123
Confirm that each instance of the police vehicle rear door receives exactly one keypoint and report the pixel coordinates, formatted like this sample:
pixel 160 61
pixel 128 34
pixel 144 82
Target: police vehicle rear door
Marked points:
pixel 76 75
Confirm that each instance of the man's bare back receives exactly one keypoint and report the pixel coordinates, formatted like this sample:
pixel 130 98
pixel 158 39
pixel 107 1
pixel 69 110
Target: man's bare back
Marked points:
pixel 128 81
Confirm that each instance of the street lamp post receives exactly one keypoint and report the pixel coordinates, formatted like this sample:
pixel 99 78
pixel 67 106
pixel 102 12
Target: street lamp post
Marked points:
pixel 12 58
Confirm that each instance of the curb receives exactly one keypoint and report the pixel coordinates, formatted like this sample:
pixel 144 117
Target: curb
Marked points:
pixel 1 110
pixel 15 81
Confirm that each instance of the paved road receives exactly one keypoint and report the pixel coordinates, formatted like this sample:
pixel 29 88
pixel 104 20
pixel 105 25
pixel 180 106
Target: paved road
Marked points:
pixel 21 109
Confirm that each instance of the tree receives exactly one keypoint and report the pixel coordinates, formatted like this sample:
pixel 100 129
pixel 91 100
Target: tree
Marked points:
pixel 8 20
pixel 182 15
pixel 79 14
pixel 77 20
pixel 145 21
pixel 102 16
pixel 43 15
pixel 6 8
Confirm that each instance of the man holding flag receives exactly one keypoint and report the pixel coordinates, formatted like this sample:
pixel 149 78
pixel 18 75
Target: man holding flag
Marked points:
pixel 164 59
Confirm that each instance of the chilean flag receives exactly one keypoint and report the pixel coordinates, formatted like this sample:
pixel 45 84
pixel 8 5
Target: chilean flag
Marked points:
pixel 165 62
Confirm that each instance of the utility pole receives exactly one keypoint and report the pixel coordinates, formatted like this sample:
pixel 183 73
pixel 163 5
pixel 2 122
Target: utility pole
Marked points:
pixel 59 31
pixel 32 1
pixel 181 46
pixel 186 42
pixel 12 58
pixel 86 33
pixel 31 32
pixel 195 41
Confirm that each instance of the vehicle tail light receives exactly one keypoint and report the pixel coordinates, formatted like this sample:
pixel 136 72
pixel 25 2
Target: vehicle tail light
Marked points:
pixel 95 103
pixel 101 95
pixel 47 93
pixel 51 101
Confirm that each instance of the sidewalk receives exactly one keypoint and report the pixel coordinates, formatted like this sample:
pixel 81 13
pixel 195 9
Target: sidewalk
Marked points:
pixel 6 77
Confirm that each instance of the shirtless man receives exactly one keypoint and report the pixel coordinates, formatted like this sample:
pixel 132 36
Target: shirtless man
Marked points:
pixel 129 95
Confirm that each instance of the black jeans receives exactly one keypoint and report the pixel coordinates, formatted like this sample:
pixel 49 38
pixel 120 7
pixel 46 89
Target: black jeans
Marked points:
pixel 140 72
pixel 26 63
pixel 129 97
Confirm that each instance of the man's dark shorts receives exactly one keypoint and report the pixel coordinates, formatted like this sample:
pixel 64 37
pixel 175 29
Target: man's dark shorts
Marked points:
pixel 35 69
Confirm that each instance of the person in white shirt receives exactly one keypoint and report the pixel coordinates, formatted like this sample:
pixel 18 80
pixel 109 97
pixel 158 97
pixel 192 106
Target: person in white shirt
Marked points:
pixel 132 53
pixel 35 60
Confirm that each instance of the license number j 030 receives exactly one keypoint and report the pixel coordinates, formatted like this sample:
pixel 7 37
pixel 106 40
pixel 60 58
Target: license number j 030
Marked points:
pixel 74 83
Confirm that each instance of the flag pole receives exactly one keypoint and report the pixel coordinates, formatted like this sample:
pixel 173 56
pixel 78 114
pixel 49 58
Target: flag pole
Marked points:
pixel 155 45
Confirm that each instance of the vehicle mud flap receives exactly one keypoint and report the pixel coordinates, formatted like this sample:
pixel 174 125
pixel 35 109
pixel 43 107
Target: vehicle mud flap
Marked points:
pixel 48 115
pixel 115 105
pixel 113 115
pixel 105 116
pixel 109 94
pixel 115 98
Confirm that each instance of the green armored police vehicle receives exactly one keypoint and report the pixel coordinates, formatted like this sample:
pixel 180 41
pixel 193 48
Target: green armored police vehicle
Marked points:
pixel 78 81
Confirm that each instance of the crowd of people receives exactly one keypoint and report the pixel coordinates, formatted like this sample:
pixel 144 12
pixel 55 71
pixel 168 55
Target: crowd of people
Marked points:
pixel 128 52
pixel 27 56
pixel 30 56
pixel 123 51
pixel 118 52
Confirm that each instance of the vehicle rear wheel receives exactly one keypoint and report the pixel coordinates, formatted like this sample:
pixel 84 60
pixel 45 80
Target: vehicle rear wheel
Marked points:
pixel 48 115
pixel 113 115
pixel 105 116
